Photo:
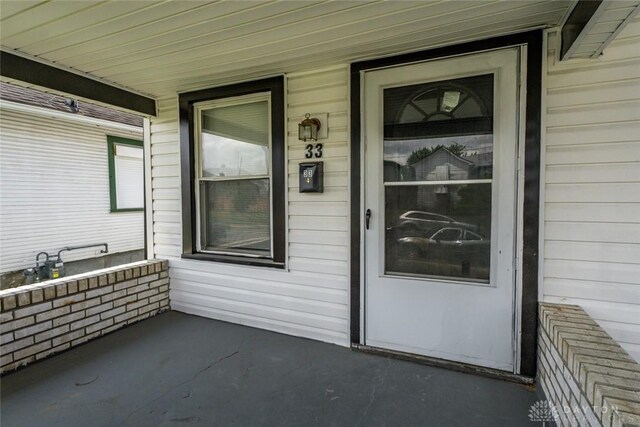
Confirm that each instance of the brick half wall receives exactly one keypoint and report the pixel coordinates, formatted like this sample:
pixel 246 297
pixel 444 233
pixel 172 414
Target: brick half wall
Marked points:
pixel 39 320
pixel 583 372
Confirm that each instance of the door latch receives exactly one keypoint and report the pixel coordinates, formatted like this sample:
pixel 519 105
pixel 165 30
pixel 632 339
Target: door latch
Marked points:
pixel 367 218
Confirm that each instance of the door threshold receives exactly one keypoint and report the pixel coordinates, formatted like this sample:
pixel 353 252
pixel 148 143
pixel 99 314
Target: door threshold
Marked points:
pixel 447 364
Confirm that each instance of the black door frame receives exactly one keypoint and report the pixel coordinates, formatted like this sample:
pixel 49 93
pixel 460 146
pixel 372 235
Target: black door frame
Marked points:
pixel 530 210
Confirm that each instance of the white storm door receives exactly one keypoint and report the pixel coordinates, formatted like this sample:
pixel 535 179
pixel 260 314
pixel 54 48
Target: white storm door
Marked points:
pixel 441 141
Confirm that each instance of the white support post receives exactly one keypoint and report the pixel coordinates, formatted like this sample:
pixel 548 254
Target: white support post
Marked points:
pixel 148 190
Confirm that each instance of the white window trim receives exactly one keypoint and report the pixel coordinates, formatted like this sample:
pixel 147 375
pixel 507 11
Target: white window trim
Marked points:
pixel 199 107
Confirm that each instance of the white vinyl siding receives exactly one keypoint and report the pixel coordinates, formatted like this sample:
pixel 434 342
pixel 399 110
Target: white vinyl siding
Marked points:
pixel 592 186
pixel 310 298
pixel 54 190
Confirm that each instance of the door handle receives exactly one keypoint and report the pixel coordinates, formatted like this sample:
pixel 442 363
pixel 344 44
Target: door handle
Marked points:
pixel 367 218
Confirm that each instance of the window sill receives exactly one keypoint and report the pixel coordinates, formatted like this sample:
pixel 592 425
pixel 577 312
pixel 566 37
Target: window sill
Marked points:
pixel 230 259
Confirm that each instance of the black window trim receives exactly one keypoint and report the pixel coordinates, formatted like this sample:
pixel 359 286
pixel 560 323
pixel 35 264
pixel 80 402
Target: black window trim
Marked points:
pixel 274 85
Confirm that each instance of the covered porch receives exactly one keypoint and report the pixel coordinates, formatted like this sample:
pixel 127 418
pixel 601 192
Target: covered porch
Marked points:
pixel 267 335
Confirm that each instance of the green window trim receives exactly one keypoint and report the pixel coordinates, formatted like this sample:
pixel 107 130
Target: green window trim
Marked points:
pixel 111 142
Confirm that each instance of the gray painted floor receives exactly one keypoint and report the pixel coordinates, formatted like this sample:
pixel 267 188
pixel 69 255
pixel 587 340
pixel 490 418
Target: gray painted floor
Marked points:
pixel 178 369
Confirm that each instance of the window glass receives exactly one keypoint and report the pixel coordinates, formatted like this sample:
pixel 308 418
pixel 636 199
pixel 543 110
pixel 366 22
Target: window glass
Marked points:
pixel 417 247
pixel 126 174
pixel 234 181
pixel 447 235
pixel 236 215
pixel 439 131
pixel 469 235
pixel 235 140
pixel 438 169
pixel 129 177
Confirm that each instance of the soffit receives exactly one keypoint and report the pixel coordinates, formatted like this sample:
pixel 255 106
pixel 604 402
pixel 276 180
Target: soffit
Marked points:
pixel 608 21
pixel 160 48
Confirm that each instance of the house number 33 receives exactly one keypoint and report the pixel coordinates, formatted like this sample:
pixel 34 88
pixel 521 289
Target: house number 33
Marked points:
pixel 310 151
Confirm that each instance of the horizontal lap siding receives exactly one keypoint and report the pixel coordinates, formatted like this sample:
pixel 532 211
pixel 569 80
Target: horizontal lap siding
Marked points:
pixel 592 186
pixel 54 191
pixel 308 299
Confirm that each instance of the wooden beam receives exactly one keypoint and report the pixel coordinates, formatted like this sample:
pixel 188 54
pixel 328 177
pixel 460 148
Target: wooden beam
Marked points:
pixel 40 74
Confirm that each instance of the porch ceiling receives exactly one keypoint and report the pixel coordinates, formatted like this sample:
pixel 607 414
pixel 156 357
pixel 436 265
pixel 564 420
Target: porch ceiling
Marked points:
pixel 161 47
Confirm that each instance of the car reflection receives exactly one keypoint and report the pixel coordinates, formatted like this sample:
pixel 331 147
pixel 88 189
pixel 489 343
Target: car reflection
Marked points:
pixel 414 223
pixel 447 243
pixel 434 244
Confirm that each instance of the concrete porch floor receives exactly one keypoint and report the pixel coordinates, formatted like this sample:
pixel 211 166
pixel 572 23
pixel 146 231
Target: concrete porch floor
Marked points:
pixel 176 368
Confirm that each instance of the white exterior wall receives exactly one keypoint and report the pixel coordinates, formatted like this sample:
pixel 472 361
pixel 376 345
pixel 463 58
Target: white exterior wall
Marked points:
pixel 591 207
pixel 311 297
pixel 54 189
pixel 592 186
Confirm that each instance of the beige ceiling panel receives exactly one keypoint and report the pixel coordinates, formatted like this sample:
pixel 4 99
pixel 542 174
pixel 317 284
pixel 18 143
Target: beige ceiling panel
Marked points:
pixel 8 8
pixel 371 23
pixel 453 34
pixel 292 61
pixel 148 32
pixel 71 44
pixel 55 30
pixel 272 40
pixel 371 32
pixel 40 15
pixel 226 26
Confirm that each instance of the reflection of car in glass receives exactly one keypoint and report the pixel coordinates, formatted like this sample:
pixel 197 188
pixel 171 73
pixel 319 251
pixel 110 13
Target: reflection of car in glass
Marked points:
pixel 415 223
pixel 450 244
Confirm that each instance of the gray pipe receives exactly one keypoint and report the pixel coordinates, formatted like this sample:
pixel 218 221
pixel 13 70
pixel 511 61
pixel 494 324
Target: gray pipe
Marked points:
pixel 72 248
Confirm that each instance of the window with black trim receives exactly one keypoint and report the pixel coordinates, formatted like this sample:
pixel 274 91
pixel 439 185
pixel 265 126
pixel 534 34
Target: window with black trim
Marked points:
pixel 233 173
pixel 126 174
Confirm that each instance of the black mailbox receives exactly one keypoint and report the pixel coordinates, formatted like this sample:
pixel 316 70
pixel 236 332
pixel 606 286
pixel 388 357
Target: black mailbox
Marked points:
pixel 311 177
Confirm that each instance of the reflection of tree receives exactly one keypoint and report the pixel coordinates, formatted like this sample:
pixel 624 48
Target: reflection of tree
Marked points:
pixel 424 152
